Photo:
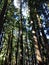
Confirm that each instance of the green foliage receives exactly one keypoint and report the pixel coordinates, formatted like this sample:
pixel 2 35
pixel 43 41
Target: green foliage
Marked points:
pixel 13 28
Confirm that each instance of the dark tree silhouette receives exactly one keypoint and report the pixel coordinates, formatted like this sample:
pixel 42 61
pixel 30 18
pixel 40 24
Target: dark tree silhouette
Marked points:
pixel 2 18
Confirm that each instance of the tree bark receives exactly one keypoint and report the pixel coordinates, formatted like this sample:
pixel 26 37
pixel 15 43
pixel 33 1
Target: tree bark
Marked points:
pixel 21 35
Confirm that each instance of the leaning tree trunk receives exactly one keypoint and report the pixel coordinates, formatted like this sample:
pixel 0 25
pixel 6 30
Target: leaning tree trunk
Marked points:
pixel 36 46
pixel 44 37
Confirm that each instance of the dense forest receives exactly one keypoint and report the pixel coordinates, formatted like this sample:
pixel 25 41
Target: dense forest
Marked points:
pixel 24 32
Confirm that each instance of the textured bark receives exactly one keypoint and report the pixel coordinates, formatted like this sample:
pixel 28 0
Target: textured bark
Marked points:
pixel 44 37
pixel 36 45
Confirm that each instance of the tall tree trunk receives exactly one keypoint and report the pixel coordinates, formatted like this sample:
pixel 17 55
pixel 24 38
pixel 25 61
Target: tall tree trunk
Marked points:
pixel 27 49
pixel 17 47
pixel 21 35
pixel 44 37
pixel 36 46
pixel 9 49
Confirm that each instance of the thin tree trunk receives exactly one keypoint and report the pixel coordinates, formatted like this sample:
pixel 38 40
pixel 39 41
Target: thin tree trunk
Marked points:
pixel 21 35
pixel 10 54
pixel 17 47
pixel 9 51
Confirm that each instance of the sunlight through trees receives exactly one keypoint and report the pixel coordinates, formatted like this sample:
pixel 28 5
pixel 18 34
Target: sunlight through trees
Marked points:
pixel 24 32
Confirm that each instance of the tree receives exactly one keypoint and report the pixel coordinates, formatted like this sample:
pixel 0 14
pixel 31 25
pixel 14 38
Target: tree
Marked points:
pixel 23 41
pixel 2 18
